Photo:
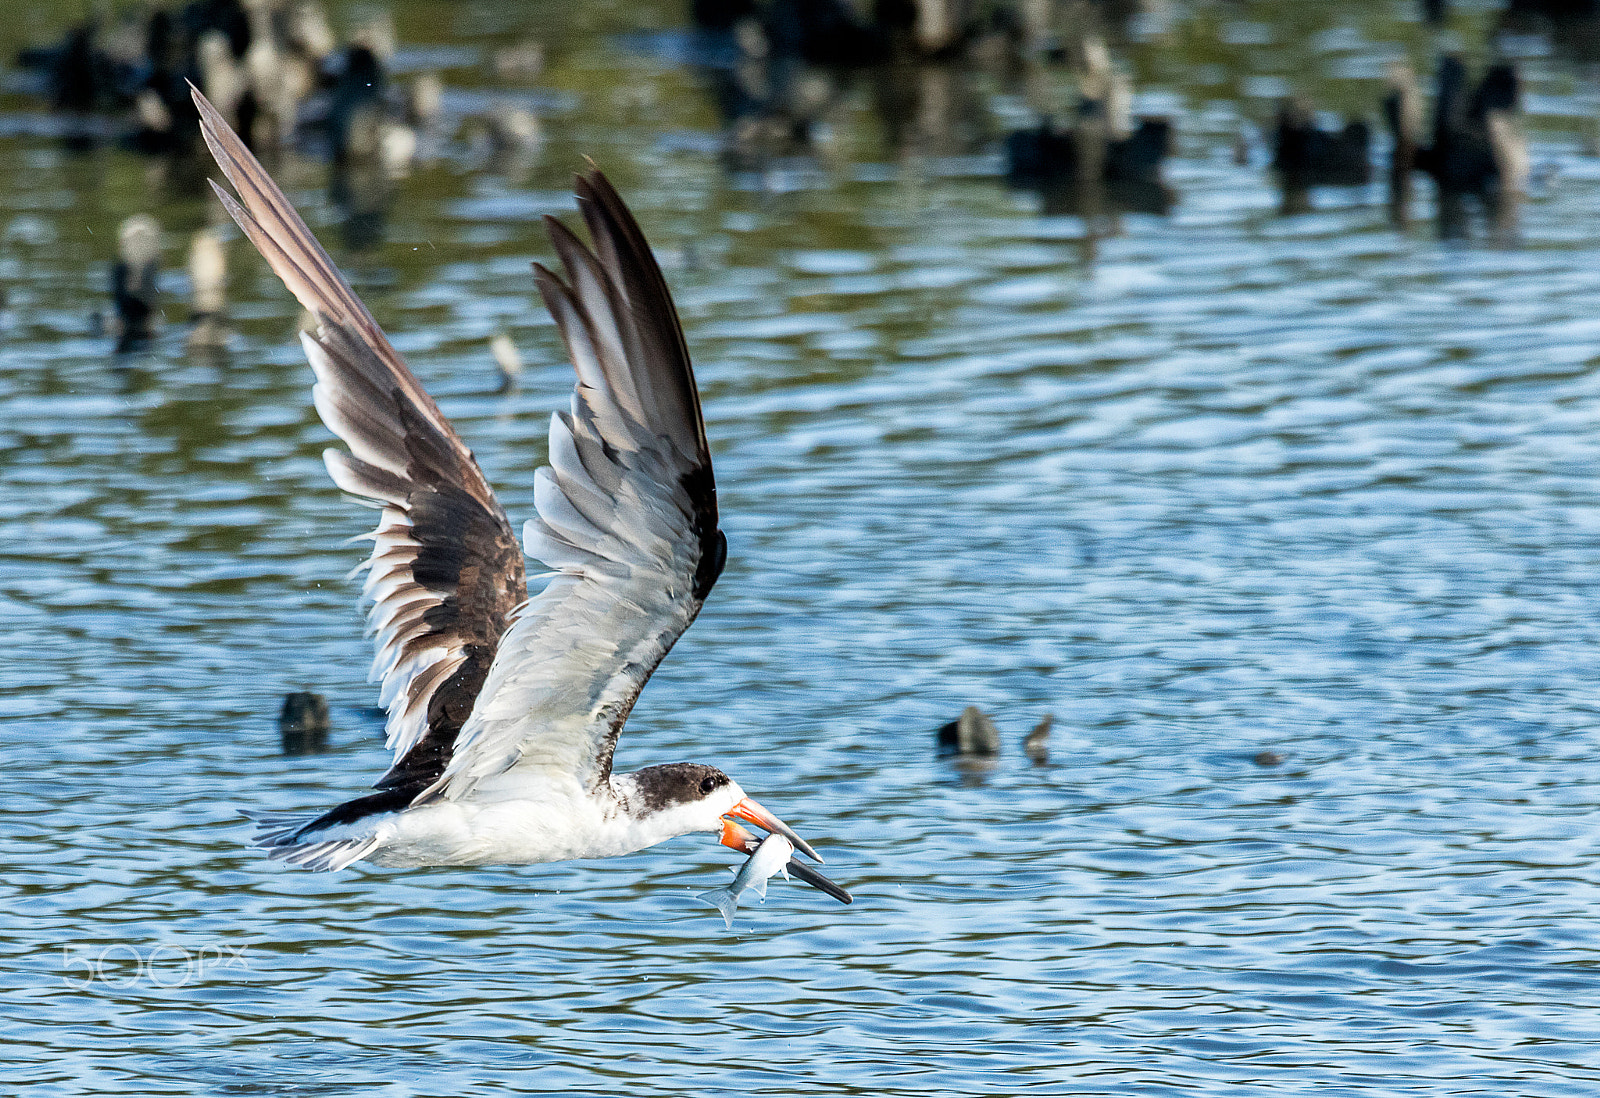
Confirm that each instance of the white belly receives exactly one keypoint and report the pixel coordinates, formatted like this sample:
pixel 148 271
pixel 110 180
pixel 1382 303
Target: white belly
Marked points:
pixel 505 833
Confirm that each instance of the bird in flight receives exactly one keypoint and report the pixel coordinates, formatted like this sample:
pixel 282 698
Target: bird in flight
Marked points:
pixel 504 709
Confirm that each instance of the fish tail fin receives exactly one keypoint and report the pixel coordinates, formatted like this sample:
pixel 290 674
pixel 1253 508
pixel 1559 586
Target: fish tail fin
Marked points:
pixel 724 900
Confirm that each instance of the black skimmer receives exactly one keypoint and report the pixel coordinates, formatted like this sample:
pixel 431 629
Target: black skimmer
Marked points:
pixel 1478 144
pixel 1101 154
pixel 1305 155
pixel 504 709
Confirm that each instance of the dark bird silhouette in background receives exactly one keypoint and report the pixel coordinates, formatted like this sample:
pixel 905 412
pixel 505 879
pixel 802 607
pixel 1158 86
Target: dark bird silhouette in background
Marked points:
pixel 1101 159
pixel 1477 148
pixel 133 282
pixel 303 723
pixel 1305 155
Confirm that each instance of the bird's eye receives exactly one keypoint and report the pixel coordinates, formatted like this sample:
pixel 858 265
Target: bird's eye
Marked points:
pixel 707 785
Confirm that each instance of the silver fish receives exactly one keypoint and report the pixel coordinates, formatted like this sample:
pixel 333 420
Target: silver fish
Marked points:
pixel 771 857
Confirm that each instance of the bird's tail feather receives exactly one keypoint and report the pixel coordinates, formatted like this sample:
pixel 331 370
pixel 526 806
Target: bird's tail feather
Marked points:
pixel 284 840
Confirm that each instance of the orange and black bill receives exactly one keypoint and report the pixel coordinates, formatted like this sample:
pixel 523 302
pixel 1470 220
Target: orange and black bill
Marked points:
pixel 748 809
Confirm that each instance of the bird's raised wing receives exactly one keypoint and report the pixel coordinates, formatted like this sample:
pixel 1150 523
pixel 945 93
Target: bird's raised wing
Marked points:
pixel 445 572
pixel 627 519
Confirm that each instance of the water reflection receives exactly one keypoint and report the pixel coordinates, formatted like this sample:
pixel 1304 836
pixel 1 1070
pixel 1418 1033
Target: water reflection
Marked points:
pixel 931 111
pixel 134 295
pixel 362 195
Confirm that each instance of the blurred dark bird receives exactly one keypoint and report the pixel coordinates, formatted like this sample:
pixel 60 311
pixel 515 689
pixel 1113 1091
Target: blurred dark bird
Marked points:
pixel 1305 155
pixel 133 281
pixel 1101 147
pixel 367 129
pixel 369 146
pixel 973 733
pixel 1477 148
pixel 1037 743
pixel 357 108
pixel 507 359
pixel 78 76
pixel 208 290
pixel 303 723
pixel 165 121
pixel 1478 145
pixel 137 68
pixel 91 68
pixel 1402 113
pixel 1050 153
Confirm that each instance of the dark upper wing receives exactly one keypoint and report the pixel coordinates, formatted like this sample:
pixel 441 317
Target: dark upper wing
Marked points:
pixel 446 571
pixel 627 519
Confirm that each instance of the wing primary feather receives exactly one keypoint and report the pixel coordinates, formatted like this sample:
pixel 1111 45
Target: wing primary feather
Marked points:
pixel 446 568
pixel 623 251
pixel 627 521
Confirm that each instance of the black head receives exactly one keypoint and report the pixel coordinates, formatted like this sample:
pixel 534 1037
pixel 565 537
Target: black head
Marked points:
pixel 1499 91
pixel 657 788
pixel 363 72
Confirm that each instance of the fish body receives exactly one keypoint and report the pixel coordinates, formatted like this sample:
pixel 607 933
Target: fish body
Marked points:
pixel 771 857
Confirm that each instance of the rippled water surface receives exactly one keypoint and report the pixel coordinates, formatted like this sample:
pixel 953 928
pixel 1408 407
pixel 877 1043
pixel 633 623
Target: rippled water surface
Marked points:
pixel 1203 486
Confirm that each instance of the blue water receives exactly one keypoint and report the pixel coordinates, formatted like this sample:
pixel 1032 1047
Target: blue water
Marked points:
pixel 1209 485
